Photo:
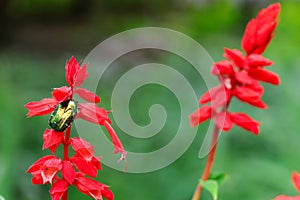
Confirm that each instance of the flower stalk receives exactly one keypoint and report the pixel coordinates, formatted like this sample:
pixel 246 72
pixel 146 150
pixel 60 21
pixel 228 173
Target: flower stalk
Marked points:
pixel 79 169
pixel 239 75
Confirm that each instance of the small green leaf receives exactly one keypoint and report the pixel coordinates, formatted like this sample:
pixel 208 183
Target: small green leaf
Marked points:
pixel 219 177
pixel 212 187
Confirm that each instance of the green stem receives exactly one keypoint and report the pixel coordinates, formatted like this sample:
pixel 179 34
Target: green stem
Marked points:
pixel 209 163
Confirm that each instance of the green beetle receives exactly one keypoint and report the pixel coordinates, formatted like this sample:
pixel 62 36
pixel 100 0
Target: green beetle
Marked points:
pixel 63 115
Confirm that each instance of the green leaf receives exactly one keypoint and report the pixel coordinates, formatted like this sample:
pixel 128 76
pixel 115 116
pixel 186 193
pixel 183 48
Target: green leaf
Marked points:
pixel 212 187
pixel 219 177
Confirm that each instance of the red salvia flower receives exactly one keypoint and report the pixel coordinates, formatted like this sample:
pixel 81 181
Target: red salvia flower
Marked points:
pixel 239 76
pixel 62 173
pixel 296 182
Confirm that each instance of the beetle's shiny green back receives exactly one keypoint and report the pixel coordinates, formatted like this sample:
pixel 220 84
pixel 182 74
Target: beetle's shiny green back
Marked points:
pixel 63 115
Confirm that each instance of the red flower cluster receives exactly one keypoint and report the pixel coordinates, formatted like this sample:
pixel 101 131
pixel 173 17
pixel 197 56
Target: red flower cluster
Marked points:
pixel 239 76
pixel 74 170
pixel 296 182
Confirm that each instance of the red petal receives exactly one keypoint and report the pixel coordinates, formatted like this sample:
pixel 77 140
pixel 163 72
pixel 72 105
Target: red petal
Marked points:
pixel 283 197
pixel 37 178
pixel 222 67
pixel 58 189
pixel 248 95
pixel 235 56
pixel 296 180
pixel 50 169
pixel 92 188
pixel 264 75
pixel 82 148
pixel 118 147
pixel 38 108
pixel 259 31
pixel 257 60
pixel 223 121
pixel 243 77
pixel 81 76
pixel 72 68
pixel 39 163
pixel 200 115
pixel 84 166
pixel 219 95
pixel 61 94
pixel 52 139
pixel 92 113
pixel 107 194
pixel 87 95
pixel 68 171
pixel 246 122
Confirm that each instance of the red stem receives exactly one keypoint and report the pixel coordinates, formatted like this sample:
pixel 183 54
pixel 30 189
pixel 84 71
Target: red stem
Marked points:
pixel 209 163
pixel 66 154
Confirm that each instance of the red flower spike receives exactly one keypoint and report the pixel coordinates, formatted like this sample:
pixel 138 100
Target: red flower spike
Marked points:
pixel 84 162
pixel 61 94
pixel 43 107
pixel 52 139
pixel 246 122
pixel 259 31
pixel 68 171
pixel 296 180
pixel 202 114
pixel 236 56
pixel 87 95
pixel 58 189
pixel 223 121
pixel 261 74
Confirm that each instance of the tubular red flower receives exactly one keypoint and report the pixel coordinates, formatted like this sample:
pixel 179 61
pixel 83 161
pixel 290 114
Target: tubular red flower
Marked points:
pixel 93 188
pixel 257 60
pixel 296 180
pixel 246 122
pixel 46 168
pixel 52 139
pixel 87 95
pixel 82 148
pixel 261 74
pixel 235 55
pixel 202 114
pixel 259 31
pixel 92 113
pixel 58 189
pixel 61 94
pixel 43 107
pixel 223 121
pixel 68 172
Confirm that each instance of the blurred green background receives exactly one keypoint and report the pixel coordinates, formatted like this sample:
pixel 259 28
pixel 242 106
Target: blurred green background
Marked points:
pixel 37 37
